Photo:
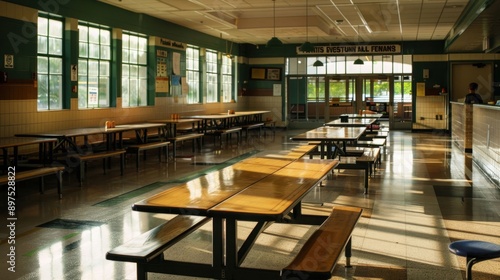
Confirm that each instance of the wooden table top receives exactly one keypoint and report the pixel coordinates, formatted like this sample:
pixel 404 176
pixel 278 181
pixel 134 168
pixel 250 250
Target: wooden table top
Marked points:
pixel 363 116
pixel 327 133
pixel 83 131
pixel 8 142
pixel 174 121
pixel 274 196
pixel 202 195
pixel 352 122
pixel 226 115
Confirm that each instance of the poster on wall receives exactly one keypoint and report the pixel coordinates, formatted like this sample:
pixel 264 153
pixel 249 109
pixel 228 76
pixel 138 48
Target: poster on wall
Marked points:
pixel 184 85
pixel 277 90
pixel 420 89
pixel 161 84
pixel 93 96
pixel 161 67
pixel 176 67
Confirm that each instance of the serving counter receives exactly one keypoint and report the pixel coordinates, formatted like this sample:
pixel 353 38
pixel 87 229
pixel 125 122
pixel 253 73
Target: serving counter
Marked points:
pixel 461 126
pixel 486 140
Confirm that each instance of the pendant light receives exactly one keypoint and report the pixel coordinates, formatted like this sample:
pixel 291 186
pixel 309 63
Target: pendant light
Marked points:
pixel 274 41
pixel 358 61
pixel 307 46
pixel 318 63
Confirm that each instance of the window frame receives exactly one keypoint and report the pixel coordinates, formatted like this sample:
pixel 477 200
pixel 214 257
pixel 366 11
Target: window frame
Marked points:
pixel 50 79
pixel 141 74
pixel 102 98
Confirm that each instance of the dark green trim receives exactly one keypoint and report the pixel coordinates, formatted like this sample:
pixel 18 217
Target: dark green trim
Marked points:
pixel 69 58
pixel 115 86
pixel 469 14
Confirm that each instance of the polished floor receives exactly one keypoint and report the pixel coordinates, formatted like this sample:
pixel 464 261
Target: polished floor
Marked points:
pixel 426 194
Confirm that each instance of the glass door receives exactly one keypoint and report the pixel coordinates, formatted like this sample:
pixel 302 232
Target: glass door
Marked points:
pixel 403 112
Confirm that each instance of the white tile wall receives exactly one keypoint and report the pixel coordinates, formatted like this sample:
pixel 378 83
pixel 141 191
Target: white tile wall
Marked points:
pixel 427 107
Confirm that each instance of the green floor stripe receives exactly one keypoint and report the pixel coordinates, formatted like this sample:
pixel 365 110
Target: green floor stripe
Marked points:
pixel 34 251
pixel 129 195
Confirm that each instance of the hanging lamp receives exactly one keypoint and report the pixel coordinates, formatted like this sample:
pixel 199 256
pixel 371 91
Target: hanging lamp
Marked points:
pixel 274 41
pixel 307 46
pixel 358 61
pixel 318 63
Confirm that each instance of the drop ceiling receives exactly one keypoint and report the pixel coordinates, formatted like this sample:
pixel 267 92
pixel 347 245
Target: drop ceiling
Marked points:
pixel 328 21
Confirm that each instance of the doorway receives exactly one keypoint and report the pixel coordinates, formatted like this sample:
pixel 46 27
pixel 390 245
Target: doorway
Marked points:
pixel 321 98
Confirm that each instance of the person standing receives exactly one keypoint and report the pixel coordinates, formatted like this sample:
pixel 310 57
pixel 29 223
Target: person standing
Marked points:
pixel 473 97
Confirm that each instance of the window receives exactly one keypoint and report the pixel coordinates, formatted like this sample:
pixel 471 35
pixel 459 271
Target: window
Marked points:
pixel 193 74
pixel 227 78
pixel 211 58
pixel 134 70
pixel 50 63
pixel 94 66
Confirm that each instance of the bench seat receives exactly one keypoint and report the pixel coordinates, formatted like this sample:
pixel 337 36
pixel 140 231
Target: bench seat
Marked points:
pixel 195 137
pixel 365 161
pixel 247 127
pixel 321 252
pixel 136 149
pixel 37 173
pixel 105 156
pixel 374 143
pixel 227 131
pixel 150 245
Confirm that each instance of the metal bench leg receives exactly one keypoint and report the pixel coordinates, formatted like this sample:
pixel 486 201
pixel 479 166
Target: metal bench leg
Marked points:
pixel 348 253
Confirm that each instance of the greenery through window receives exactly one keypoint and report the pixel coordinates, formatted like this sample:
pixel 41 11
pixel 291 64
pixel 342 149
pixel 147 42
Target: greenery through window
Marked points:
pixel 211 81
pixel 134 70
pixel 193 74
pixel 227 78
pixel 50 63
pixel 94 66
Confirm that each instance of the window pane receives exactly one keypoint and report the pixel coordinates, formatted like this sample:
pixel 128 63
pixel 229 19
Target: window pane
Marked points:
pixel 93 74
pixel 42 45
pixel 55 65
pixel 49 63
pixel 134 73
pixel 55 46
pixel 43 65
pixel 56 28
pixel 43 26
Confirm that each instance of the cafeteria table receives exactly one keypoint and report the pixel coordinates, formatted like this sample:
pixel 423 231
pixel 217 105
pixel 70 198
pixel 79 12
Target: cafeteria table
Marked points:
pixel 329 136
pixel 45 147
pixel 259 190
pixel 352 122
pixel 66 138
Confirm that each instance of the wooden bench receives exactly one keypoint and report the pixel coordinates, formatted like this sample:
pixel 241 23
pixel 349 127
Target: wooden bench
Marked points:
pixel 321 252
pixel 366 160
pixel 105 156
pixel 374 143
pixel 195 137
pixel 136 149
pixel 37 173
pixel 247 127
pixel 228 131
pixel 149 246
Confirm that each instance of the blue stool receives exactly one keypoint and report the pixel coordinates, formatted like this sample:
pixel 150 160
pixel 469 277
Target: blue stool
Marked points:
pixel 475 251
